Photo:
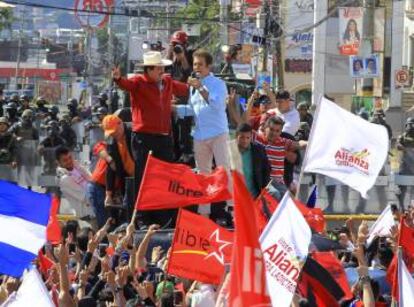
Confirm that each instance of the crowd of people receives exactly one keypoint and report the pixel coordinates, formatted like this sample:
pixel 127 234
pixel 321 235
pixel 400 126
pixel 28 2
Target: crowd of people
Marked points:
pixel 179 116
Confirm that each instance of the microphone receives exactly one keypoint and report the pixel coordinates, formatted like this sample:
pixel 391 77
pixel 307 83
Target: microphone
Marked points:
pixel 194 75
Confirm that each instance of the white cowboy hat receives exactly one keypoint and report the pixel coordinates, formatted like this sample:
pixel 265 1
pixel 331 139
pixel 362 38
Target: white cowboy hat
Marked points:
pixel 154 58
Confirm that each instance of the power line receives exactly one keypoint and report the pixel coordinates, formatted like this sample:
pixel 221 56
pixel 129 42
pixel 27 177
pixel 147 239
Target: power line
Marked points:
pixel 113 13
pixel 284 34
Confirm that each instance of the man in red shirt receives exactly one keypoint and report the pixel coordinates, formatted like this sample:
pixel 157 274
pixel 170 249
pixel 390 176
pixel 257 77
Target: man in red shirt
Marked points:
pixel 151 94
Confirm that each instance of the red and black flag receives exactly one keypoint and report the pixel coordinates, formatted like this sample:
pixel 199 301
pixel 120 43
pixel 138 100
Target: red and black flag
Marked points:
pixel 323 280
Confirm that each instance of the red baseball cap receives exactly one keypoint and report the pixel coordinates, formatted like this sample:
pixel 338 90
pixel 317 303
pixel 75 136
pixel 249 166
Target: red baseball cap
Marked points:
pixel 179 37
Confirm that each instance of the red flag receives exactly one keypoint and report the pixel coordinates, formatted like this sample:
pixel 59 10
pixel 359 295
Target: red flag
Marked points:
pixel 171 185
pixel 53 232
pixel 316 294
pixel 405 240
pixel 247 279
pixel 392 277
pixel 323 280
pixel 260 217
pixel 45 264
pixel 330 262
pixel 200 249
pixel 314 216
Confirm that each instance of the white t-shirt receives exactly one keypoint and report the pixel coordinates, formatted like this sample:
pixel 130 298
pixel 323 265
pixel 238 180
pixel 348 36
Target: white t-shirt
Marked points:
pixel 291 119
pixel 205 297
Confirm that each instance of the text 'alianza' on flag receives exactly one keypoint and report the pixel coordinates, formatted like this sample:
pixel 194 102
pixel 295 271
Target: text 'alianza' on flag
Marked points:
pixel 285 247
pixel 346 147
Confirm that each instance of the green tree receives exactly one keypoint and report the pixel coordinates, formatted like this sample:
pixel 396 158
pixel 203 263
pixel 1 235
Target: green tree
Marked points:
pixel 203 11
pixel 6 18
pixel 103 43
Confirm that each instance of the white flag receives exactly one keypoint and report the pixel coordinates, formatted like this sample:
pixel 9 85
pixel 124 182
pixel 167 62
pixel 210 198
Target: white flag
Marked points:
pixel 382 226
pixel 284 244
pixel 346 147
pixel 406 285
pixel 32 292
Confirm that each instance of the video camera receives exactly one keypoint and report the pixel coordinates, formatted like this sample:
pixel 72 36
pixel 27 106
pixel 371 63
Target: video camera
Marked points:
pixel 178 48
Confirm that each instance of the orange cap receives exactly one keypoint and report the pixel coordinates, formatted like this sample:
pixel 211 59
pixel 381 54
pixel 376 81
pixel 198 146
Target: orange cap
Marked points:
pixel 110 123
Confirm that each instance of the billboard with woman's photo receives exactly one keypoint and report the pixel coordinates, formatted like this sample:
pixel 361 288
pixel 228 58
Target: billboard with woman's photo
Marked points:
pixel 350 29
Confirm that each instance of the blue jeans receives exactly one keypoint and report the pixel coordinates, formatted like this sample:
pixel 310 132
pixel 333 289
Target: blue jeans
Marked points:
pixel 277 190
pixel 96 197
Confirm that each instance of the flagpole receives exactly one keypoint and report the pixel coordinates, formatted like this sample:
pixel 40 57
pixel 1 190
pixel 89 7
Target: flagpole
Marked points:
pixel 311 135
pixel 399 271
pixel 134 213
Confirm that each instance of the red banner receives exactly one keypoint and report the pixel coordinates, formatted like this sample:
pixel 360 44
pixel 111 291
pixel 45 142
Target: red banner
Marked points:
pixel 200 249
pixel 314 216
pixel 171 185
pixel 247 276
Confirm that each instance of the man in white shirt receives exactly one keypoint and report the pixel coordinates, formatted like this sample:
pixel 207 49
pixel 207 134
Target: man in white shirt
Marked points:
pixel 285 108
pixel 73 178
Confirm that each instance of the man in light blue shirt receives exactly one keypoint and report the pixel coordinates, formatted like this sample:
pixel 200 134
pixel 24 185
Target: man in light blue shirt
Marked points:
pixel 208 106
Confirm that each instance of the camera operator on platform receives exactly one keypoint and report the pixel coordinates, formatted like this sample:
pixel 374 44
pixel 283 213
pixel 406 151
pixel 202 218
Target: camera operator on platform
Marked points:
pixel 180 70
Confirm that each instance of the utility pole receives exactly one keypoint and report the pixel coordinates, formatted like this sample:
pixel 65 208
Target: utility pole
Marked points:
pixel 224 5
pixel 168 20
pixel 319 50
pixel 278 68
pixel 367 43
pixel 262 22
pixel 19 45
pixel 111 45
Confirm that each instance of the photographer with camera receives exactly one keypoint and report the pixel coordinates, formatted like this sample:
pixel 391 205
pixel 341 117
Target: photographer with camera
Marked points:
pixel 180 70
pixel 181 67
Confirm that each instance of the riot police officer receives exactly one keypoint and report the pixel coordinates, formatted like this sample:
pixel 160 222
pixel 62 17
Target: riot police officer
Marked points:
pixel 24 104
pixel 48 145
pixel 379 119
pixel 24 129
pixel 53 114
pixel 67 133
pixel 73 108
pixel 94 132
pixel 7 145
pixel 102 99
pixel 27 136
pixel 11 113
pixel 41 109
pixel 3 103
pixel 114 100
pixel 405 143
pixel 14 98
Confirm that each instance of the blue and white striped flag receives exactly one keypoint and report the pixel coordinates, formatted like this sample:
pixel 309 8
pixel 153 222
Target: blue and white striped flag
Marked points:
pixel 23 219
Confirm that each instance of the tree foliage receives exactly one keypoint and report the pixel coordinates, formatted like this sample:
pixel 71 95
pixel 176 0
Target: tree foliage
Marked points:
pixel 6 18
pixel 202 10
